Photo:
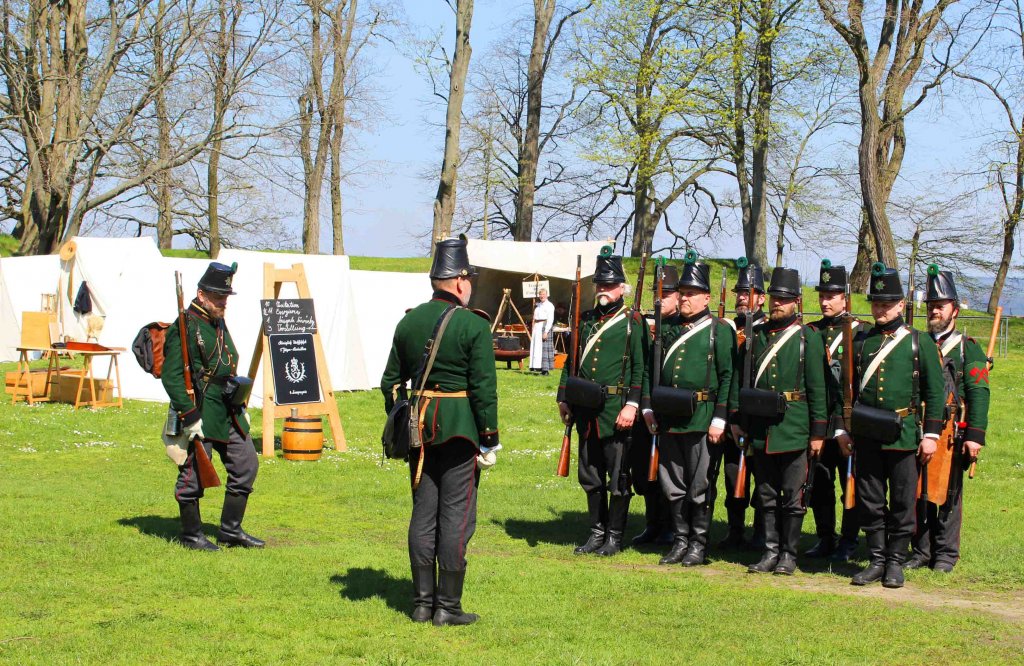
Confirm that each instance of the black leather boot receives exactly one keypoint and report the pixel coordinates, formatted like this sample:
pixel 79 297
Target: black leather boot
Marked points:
pixel 770 557
pixel 875 569
pixel 192 536
pixel 916 561
pixel 824 548
pixel 654 513
pixel 735 539
pixel 790 541
pixel 449 600
pixel 677 510
pixel 231 532
pixel 423 587
pixel 845 549
pixel 618 511
pixel 894 559
pixel 597 512
pixel 700 522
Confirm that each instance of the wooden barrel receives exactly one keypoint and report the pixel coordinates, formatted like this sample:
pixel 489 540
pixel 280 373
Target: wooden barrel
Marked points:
pixel 303 439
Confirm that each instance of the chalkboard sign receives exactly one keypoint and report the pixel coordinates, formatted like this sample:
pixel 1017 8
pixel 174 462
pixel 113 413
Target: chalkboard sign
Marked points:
pixel 293 358
pixel 288 315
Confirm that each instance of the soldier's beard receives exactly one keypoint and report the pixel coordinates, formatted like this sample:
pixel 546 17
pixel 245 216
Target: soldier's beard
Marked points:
pixel 603 299
pixel 938 325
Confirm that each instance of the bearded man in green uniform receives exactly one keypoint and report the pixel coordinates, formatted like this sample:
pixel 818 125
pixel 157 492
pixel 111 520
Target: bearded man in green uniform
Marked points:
pixel 603 401
pixel 459 408
pixel 781 411
pixel 936 542
pixel 689 409
pixel 831 465
pixel 219 426
pixel 896 371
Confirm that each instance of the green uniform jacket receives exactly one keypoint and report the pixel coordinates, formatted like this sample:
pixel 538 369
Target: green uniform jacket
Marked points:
pixel 213 359
pixel 971 366
pixel 804 418
pixel 891 386
pixel 602 363
pixel 831 331
pixel 687 367
pixel 464 362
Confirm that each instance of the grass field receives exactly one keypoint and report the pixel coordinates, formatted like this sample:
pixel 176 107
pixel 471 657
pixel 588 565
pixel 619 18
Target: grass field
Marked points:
pixel 93 576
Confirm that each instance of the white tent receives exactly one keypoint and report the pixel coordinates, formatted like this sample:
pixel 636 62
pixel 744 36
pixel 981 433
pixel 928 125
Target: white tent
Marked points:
pixel 506 264
pixel 23 281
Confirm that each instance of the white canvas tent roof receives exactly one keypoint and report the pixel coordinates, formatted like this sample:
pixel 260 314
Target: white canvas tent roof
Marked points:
pixel 506 264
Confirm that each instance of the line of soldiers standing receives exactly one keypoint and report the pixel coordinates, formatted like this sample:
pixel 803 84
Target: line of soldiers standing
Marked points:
pixel 783 409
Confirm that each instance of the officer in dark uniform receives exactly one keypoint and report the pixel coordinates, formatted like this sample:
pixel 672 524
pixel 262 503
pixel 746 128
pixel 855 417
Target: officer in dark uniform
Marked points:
pixel 831 465
pixel 736 508
pixel 658 527
pixel 936 541
pixel 690 408
pixel 896 370
pixel 460 404
pixel 603 402
pixel 782 412
pixel 221 427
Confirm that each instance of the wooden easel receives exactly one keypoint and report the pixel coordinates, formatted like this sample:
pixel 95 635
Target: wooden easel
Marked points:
pixel 506 301
pixel 273 278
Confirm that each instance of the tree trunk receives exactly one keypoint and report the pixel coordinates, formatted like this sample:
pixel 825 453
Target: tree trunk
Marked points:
pixel 164 218
pixel 739 147
pixel 861 271
pixel 444 202
pixel 645 221
pixel 758 249
pixel 219 102
pixel 1009 227
pixel 543 11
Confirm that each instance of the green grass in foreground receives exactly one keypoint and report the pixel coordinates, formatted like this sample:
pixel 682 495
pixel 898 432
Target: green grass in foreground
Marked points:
pixel 92 576
pixel 8 245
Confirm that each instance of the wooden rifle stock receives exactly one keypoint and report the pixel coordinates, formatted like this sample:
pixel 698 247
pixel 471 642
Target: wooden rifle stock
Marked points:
pixel 993 336
pixel 850 500
pixel 659 278
pixel 204 466
pixel 740 491
pixel 722 294
pixel 564 454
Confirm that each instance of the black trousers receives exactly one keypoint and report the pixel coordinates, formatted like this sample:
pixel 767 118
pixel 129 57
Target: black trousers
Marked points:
pixel 830 467
pixel 877 471
pixel 444 505
pixel 239 458
pixel 604 463
pixel 684 464
pixel 937 537
pixel 781 478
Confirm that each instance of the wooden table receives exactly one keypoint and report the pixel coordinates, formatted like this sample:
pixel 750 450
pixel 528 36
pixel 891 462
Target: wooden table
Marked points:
pixel 23 386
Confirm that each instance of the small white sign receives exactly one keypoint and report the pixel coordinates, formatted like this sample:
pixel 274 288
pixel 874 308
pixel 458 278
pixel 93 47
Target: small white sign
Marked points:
pixel 531 288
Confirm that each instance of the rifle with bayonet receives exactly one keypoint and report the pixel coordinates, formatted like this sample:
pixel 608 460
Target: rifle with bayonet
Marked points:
pixel 740 490
pixel 850 499
pixel 659 279
pixel 573 361
pixel 207 473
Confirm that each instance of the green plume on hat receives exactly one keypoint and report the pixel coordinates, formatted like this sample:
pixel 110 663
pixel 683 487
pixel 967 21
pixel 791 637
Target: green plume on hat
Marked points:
pixel 877 269
pixel 933 269
pixel 606 251
pixel 742 263
pixel 690 257
pixel 826 263
pixel 234 266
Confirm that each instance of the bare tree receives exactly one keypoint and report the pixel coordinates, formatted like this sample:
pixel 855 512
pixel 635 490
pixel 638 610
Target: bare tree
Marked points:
pixel 904 32
pixel 444 202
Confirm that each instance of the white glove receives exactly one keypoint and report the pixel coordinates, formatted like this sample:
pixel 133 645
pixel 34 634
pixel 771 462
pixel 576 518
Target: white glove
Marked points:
pixel 488 456
pixel 193 431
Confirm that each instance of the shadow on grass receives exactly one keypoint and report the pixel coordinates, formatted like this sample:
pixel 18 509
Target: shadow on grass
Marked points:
pixel 361 583
pixel 563 528
pixel 160 526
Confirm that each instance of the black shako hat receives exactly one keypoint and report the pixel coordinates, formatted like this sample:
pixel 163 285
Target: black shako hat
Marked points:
pixel 669 280
pixel 451 260
pixel 609 268
pixel 217 278
pixel 785 283
pixel 832 278
pixel 884 284
pixel 696 274
pixel 940 286
pixel 750 274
